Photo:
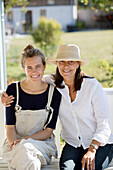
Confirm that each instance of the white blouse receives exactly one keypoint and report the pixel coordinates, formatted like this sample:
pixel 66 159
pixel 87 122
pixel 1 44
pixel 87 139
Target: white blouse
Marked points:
pixel 87 117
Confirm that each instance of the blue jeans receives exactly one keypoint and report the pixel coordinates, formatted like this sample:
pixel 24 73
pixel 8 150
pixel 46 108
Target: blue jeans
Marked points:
pixel 71 157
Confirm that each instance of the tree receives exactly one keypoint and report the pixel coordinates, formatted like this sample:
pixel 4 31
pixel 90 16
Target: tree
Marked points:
pixel 10 3
pixel 104 5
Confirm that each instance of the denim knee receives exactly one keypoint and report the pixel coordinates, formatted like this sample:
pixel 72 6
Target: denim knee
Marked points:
pixel 67 165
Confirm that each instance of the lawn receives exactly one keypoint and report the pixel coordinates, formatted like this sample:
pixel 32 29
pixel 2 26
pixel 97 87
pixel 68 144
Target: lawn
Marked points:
pixel 94 45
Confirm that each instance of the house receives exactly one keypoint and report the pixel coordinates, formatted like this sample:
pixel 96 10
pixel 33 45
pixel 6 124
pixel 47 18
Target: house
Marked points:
pixel 63 11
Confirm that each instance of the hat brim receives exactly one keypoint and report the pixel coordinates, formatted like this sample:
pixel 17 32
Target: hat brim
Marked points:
pixel 83 62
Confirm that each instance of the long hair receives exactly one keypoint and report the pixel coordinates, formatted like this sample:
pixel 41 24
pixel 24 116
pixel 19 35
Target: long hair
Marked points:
pixel 79 75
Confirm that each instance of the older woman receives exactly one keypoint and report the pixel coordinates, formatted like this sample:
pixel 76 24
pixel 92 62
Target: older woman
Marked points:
pixel 83 113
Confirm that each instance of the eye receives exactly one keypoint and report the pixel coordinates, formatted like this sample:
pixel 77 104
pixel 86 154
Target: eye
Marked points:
pixel 61 62
pixel 71 62
pixel 29 68
pixel 38 66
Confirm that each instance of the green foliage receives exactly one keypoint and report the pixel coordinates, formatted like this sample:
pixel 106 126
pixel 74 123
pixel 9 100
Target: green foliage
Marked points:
pixel 47 35
pixel 80 25
pixel 85 2
pixel 108 71
pixel 10 3
pixel 104 5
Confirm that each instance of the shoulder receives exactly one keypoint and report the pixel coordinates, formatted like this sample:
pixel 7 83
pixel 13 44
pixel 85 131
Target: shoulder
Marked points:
pixel 11 86
pixel 91 85
pixel 11 89
pixel 91 82
pixel 94 88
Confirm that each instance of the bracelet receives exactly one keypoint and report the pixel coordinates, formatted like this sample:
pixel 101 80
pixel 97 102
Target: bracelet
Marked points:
pixel 94 145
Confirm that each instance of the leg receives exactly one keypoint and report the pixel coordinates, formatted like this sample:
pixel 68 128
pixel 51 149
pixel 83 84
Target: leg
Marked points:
pixel 103 157
pixel 71 158
pixel 25 157
pixel 35 165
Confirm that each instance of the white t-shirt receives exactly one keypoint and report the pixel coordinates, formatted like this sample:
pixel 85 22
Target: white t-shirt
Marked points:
pixel 87 117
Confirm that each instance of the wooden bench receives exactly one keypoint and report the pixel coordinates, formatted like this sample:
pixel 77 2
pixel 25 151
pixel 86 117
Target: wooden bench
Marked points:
pixel 55 162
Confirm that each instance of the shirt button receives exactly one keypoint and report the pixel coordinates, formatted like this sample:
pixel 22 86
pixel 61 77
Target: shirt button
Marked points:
pixel 79 138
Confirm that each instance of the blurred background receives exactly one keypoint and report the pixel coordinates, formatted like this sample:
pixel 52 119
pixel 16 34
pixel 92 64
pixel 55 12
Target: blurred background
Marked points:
pixel 48 23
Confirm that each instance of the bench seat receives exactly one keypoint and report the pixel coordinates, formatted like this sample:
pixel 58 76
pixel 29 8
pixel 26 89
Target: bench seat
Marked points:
pixel 53 166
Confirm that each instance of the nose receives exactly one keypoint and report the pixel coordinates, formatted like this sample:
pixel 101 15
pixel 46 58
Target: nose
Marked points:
pixel 34 70
pixel 66 64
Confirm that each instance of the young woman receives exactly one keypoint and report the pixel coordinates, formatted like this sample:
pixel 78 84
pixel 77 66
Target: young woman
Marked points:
pixel 83 113
pixel 32 116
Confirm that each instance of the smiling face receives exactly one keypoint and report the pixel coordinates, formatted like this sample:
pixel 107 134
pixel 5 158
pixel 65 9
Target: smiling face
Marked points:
pixel 67 69
pixel 34 68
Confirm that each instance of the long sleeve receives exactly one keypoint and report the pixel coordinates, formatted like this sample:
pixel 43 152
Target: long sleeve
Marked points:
pixel 48 79
pixel 10 111
pixel 101 113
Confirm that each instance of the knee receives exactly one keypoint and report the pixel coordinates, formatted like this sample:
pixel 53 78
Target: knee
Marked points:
pixel 67 165
pixel 26 146
pixel 36 164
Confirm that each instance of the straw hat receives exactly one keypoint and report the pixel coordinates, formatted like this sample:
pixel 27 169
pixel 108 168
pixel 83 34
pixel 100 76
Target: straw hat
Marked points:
pixel 68 52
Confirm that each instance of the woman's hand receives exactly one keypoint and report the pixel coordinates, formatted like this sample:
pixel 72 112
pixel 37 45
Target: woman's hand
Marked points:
pixel 89 159
pixel 6 100
pixel 14 143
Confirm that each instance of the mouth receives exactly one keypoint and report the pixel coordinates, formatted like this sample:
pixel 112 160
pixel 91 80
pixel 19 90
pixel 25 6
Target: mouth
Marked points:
pixel 66 71
pixel 35 76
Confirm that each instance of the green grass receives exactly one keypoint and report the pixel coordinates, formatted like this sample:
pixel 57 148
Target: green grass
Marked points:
pixel 94 46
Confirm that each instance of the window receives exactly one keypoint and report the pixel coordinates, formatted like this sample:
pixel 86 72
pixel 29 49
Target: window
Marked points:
pixel 42 12
pixel 51 2
pixel 29 17
pixel 10 16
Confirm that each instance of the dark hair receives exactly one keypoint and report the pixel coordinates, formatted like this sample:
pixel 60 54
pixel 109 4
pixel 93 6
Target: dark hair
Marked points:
pixel 78 79
pixel 29 52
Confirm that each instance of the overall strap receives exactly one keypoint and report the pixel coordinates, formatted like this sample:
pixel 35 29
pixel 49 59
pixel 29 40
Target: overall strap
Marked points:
pixel 17 107
pixel 50 95
pixel 48 107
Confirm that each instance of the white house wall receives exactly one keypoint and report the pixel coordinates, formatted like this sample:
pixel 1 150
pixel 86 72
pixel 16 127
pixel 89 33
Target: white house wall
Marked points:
pixel 17 19
pixel 65 15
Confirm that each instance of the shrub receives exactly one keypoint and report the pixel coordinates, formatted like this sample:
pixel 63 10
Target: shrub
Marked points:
pixel 109 71
pixel 47 35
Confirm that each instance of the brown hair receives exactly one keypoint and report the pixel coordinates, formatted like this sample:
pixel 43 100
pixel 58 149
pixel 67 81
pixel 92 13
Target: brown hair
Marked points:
pixel 79 75
pixel 29 52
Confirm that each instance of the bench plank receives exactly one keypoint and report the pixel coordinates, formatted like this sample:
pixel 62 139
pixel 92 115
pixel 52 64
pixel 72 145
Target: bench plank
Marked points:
pixel 54 165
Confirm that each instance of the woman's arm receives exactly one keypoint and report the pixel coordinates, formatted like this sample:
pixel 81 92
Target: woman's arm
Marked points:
pixel 6 100
pixel 102 117
pixel 42 135
pixel 11 134
pixel 102 131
